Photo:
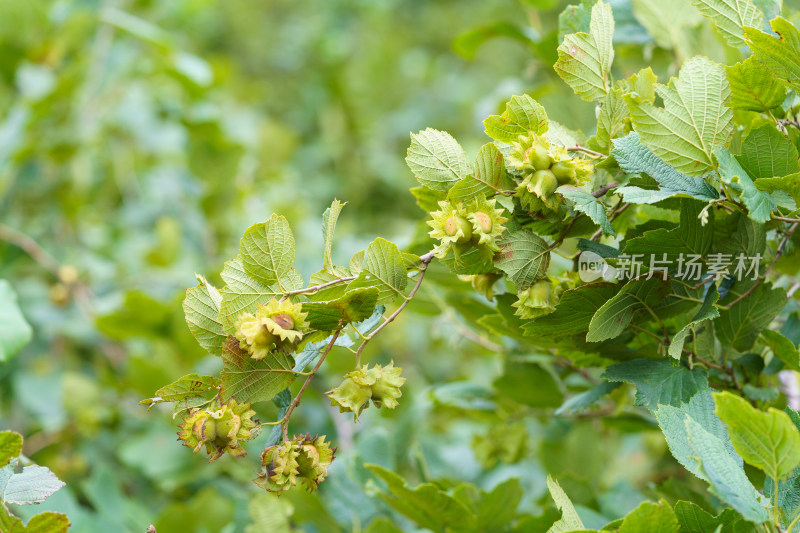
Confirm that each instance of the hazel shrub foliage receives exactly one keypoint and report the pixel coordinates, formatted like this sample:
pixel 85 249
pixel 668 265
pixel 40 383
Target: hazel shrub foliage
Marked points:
pixel 701 170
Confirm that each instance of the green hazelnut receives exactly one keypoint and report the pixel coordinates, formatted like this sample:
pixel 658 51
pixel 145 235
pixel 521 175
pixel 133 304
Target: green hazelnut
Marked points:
pixel 455 223
pixel 564 171
pixel 539 157
pixel 545 183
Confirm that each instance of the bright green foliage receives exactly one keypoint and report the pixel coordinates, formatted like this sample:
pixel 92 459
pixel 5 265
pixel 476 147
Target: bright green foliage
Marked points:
pixel 754 88
pixel 570 521
pixel 731 17
pixel 769 441
pixel 522 114
pixel 15 332
pixel 437 160
pixel 575 286
pixel 584 59
pixel 777 54
pixel 694 121
pixel 33 485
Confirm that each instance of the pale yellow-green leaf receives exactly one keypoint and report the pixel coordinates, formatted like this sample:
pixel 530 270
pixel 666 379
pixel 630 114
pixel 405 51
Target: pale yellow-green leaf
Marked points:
pixel 584 59
pixel 694 120
pixel 730 17
pixel 767 440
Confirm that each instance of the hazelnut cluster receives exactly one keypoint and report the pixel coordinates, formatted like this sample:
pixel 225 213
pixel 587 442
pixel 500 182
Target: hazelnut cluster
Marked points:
pixel 379 384
pixel 279 325
pixel 303 457
pixel 220 429
pixel 542 297
pixel 459 226
pixel 542 167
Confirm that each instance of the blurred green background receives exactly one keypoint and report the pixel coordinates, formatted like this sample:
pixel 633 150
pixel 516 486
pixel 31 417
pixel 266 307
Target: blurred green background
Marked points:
pixel 138 139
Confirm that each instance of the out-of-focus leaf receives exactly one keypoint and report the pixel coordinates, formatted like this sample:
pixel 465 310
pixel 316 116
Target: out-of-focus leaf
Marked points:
pixel 15 332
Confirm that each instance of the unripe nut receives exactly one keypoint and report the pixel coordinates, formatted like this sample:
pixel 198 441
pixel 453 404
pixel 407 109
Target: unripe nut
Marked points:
pixel 545 183
pixel 484 221
pixel 564 171
pixel 454 223
pixel 284 320
pixel 539 157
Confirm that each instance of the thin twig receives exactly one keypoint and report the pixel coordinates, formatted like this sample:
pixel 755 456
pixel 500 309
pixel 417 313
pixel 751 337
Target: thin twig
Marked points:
pixel 612 218
pixel 319 287
pixel 425 260
pixel 778 254
pixel 604 189
pixel 31 247
pixel 785 219
pixel 297 398
pixel 585 151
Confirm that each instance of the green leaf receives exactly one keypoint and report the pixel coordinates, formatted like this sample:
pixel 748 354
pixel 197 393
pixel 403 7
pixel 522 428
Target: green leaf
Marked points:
pixel 523 114
pixel 569 521
pixel 694 120
pixel 782 348
pixel 670 23
pixel 15 332
pixel 10 446
pixel 759 204
pixel 517 378
pixel 584 400
pixel 778 55
pixel 694 519
pixel 267 250
pixel 188 386
pixel 707 311
pixel 768 440
pixel 427 199
pixel 33 485
pixel 650 518
pixel 788 490
pixel 47 522
pixel 269 514
pixel 658 381
pixel 728 479
pixel 611 121
pixel 700 408
pixel 730 17
pixel 767 153
pixel 690 237
pixel 635 158
pixel 354 306
pixel 789 184
pixel 574 311
pixel 584 59
pixel 426 505
pixel 249 380
pixel 437 160
pixel 242 293
pixel 740 325
pixel 616 314
pixel 329 218
pixel 586 203
pixel 489 178
pixel 754 88
pixel 383 268
pixel 524 256
pixel 201 308
pixel 313 350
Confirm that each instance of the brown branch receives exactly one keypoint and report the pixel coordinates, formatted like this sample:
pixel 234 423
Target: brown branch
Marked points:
pixel 31 247
pixel 785 219
pixel 296 401
pixel 425 260
pixel 612 218
pixel 778 254
pixel 604 189
pixel 581 149
pixel 319 287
